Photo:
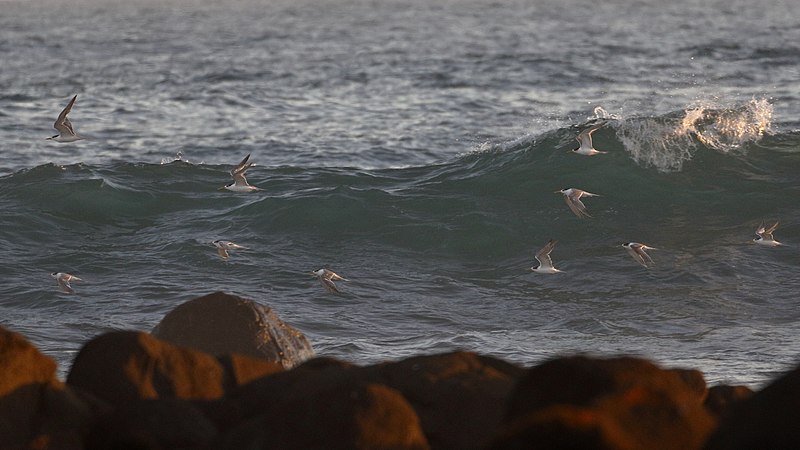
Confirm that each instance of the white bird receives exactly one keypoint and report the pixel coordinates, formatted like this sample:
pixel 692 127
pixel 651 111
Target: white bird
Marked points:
pixel 638 253
pixel 64 126
pixel 545 262
pixel 63 280
pixel 573 198
pixel 326 278
pixel 765 235
pixel 224 246
pixel 239 183
pixel 585 139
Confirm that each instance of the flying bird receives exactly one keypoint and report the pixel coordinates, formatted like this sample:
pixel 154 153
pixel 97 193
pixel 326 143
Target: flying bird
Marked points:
pixel 637 252
pixel 64 127
pixel 573 198
pixel 585 138
pixel 63 280
pixel 765 235
pixel 224 246
pixel 327 278
pixel 545 262
pixel 240 183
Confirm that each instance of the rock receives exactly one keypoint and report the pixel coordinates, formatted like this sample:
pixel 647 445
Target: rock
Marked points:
pixel 36 410
pixel 721 398
pixel 153 424
pixel 768 419
pixel 617 403
pixel 460 397
pixel 221 324
pixel 347 414
pixel 125 366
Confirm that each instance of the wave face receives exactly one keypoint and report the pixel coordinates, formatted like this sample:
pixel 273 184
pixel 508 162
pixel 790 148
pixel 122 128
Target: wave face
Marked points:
pixel 438 254
pixel 415 148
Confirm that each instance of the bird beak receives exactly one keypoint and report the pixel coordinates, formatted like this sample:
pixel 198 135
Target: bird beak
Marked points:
pixel 222 188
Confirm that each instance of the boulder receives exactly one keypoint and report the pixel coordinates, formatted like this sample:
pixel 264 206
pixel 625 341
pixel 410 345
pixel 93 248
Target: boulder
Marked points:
pixel 460 397
pixel 346 414
pixel 616 403
pixel 153 424
pixel 221 324
pixel 721 398
pixel 36 410
pixel 767 419
pixel 124 366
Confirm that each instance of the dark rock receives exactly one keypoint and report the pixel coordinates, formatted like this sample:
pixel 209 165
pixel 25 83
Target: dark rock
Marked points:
pixel 36 410
pixel 460 397
pixel 721 398
pixel 617 403
pixel 221 324
pixel 347 414
pixel 124 366
pixel 768 419
pixel 153 424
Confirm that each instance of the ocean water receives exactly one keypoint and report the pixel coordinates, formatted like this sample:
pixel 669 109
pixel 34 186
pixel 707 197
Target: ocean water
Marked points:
pixel 413 147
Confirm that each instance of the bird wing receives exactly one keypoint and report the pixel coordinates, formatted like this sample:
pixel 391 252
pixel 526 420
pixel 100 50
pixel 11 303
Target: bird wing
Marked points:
pixel 543 255
pixel 241 167
pixel 222 252
pixel 768 232
pixel 577 206
pixel 62 124
pixel 640 250
pixel 636 256
pixel 328 285
pixel 63 283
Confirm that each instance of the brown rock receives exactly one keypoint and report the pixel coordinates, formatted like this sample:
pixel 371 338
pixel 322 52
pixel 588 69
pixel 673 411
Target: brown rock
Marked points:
pixel 221 324
pixel 348 414
pixel 124 366
pixel 460 397
pixel 617 403
pixel 153 424
pixel 36 410
pixel 721 398
pixel 768 419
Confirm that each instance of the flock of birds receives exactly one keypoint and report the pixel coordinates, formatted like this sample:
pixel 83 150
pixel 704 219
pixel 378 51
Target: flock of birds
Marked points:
pixel 637 250
pixel 572 196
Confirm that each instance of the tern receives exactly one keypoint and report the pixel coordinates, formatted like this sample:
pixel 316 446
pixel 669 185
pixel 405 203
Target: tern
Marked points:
pixel 224 246
pixel 585 139
pixel 239 183
pixel 638 253
pixel 765 235
pixel 573 198
pixel 326 278
pixel 545 262
pixel 63 280
pixel 64 126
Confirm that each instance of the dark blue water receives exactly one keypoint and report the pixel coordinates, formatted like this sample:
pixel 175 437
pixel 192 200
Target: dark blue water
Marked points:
pixel 415 149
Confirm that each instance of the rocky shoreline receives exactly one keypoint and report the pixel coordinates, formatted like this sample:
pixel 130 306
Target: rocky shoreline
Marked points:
pixel 223 372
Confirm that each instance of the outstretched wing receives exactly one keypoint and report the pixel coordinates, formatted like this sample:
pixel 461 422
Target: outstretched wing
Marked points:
pixel 62 124
pixel 543 255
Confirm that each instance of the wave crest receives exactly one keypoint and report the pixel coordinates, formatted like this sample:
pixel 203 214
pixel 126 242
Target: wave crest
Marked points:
pixel 667 143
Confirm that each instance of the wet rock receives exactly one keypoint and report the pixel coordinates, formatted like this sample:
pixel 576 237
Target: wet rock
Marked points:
pixel 36 410
pixel 125 366
pixel 616 403
pixel 768 419
pixel 221 324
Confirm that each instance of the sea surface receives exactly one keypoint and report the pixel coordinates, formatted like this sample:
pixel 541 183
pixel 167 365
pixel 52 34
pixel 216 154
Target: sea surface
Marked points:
pixel 413 147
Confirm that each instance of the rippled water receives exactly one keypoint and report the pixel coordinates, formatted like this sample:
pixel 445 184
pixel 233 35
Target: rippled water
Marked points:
pixel 414 148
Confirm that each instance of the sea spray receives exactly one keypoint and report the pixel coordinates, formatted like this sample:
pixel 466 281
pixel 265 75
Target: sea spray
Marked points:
pixel 667 142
